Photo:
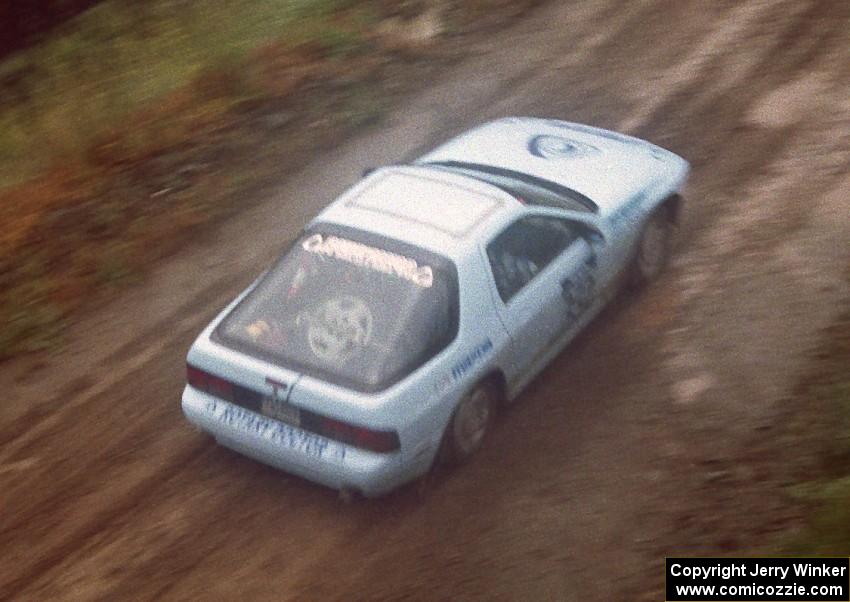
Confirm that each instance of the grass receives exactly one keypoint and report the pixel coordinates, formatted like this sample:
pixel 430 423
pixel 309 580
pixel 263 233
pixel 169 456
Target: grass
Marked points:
pixel 122 56
pixel 98 122
pixel 137 123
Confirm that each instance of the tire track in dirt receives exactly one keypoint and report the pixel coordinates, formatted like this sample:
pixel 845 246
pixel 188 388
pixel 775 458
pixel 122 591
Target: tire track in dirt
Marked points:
pixel 92 400
pixel 121 413
pixel 776 65
pixel 153 565
pixel 721 119
pixel 218 502
pixel 452 110
pixel 379 563
pixel 526 496
pixel 128 354
pixel 285 533
pixel 141 432
pixel 72 542
pixel 374 579
pixel 699 104
pixel 686 79
pixel 46 420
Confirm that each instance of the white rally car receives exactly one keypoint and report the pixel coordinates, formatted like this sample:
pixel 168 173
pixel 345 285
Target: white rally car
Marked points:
pixel 386 336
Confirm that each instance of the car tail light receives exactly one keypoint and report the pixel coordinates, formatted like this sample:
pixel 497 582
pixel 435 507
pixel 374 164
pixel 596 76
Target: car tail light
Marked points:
pixel 196 378
pixel 358 436
pixel 208 383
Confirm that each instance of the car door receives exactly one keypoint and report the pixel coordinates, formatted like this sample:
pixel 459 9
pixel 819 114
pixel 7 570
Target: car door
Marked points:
pixel 544 276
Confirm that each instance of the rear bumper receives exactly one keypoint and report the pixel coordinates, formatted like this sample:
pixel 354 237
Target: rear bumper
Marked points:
pixel 294 450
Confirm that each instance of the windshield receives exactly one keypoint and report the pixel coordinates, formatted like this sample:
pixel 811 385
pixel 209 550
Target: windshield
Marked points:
pixel 526 188
pixel 354 309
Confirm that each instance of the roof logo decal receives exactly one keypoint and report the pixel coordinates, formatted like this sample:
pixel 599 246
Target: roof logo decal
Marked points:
pixel 558 147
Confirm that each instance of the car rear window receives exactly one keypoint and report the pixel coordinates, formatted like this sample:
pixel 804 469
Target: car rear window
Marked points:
pixel 348 307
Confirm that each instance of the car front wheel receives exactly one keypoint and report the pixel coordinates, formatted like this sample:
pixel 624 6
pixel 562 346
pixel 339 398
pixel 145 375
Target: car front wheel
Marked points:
pixel 653 249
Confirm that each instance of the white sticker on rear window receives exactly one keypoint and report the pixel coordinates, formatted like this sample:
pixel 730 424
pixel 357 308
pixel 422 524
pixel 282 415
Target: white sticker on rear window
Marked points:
pixel 370 257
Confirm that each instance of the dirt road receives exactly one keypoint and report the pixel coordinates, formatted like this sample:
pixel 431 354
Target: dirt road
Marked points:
pixel 650 436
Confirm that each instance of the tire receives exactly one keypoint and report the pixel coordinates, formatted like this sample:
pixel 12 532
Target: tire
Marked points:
pixel 653 248
pixel 469 424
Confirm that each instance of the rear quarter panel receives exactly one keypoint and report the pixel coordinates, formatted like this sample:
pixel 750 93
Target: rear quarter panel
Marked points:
pixel 432 393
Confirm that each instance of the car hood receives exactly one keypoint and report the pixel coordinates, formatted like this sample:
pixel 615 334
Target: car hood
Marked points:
pixel 605 166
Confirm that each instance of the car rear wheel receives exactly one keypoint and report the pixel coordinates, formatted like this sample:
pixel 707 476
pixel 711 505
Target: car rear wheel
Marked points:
pixel 469 424
pixel 653 249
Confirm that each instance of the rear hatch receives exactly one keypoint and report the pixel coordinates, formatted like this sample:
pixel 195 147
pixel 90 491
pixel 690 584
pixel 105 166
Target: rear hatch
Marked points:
pixel 354 310
pixel 286 396
pixel 342 317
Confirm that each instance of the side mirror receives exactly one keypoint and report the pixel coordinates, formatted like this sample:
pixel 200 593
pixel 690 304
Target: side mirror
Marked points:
pixel 592 235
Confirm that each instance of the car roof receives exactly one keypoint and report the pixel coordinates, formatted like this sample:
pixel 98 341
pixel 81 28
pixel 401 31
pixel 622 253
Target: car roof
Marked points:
pixel 437 210
pixel 605 166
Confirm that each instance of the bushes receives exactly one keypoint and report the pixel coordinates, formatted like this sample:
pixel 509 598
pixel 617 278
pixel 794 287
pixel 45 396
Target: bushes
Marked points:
pixel 137 122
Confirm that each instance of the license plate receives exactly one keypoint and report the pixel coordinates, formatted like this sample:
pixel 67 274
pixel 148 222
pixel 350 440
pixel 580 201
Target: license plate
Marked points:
pixel 279 433
pixel 280 410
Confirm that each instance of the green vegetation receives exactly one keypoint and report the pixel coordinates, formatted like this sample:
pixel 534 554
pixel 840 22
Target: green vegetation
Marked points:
pixel 135 124
pixel 104 128
pixel 119 57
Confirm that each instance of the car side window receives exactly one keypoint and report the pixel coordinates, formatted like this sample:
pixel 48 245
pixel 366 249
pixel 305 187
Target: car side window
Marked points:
pixel 525 248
